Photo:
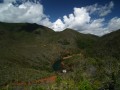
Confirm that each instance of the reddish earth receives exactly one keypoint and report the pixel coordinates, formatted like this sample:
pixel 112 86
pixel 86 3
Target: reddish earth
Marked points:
pixel 50 79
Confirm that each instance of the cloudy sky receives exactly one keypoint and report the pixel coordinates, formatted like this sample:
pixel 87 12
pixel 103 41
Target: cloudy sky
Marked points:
pixel 96 17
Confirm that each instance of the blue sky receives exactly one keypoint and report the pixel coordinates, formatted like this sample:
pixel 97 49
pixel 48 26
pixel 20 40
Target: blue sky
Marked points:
pixel 58 8
pixel 96 17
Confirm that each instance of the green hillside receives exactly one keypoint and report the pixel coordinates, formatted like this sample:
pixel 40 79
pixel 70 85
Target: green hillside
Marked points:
pixel 28 52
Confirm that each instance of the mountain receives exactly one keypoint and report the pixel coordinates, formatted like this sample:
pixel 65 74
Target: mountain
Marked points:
pixel 34 48
pixel 112 43
pixel 107 45
pixel 29 51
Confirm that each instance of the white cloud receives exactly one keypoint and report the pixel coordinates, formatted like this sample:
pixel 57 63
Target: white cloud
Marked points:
pixel 58 25
pixel 74 21
pixel 99 27
pixel 26 12
pixel 114 24
pixel 106 9
pixel 95 27
pixel 80 20
pixel 99 9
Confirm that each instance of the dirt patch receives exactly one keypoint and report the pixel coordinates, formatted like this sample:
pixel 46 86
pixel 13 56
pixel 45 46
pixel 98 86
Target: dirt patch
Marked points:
pixel 50 79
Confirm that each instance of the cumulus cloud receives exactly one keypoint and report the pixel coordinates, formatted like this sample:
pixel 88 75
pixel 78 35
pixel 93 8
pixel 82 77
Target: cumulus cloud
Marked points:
pixel 74 21
pixel 26 12
pixel 58 25
pixel 80 20
pixel 95 27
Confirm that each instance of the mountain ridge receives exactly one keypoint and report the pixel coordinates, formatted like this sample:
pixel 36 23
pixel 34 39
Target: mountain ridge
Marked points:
pixel 30 50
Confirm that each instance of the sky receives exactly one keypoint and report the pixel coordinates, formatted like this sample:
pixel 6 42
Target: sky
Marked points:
pixel 97 17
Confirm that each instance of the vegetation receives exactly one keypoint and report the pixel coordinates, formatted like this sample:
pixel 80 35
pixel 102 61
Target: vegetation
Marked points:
pixel 29 51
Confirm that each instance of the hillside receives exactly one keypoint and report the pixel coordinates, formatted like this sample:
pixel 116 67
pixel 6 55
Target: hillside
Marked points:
pixel 107 45
pixel 112 43
pixel 32 48
pixel 28 52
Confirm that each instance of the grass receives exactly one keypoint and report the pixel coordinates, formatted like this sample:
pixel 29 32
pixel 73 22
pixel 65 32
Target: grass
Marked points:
pixel 28 51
